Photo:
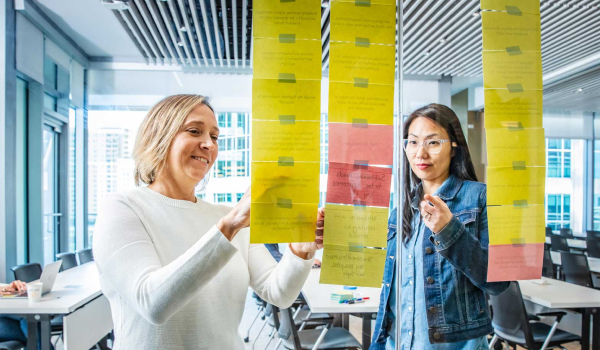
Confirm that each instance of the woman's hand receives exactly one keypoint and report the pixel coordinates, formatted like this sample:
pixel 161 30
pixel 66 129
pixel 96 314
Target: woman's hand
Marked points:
pixel 237 218
pixel 14 287
pixel 435 216
pixel 302 249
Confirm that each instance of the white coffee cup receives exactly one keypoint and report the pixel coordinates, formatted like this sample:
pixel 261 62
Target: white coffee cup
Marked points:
pixel 34 291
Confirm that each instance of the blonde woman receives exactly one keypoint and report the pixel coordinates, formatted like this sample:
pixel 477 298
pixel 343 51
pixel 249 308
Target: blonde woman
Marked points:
pixel 175 269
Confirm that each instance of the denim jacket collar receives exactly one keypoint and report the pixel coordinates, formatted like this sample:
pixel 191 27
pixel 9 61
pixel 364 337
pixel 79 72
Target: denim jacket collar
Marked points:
pixel 447 191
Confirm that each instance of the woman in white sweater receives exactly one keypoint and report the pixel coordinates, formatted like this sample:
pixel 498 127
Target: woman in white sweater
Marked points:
pixel 175 269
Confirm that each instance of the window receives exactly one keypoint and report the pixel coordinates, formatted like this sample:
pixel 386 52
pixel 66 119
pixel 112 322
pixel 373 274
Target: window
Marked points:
pixel 241 168
pixel 558 209
pixel 72 165
pixel 238 196
pixel 558 153
pixel 241 143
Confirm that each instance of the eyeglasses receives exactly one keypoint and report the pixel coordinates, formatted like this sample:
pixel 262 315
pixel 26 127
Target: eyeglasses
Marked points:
pixel 431 146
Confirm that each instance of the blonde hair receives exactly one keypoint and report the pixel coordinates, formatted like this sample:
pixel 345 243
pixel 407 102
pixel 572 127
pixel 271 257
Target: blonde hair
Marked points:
pixel 157 132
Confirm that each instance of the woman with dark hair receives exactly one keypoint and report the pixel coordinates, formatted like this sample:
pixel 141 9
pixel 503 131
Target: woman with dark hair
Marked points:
pixel 444 243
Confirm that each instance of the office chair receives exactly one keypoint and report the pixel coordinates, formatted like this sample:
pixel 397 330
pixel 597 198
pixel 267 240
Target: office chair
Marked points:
pixel 27 272
pixel 85 256
pixel 327 338
pixel 511 323
pixel 593 247
pixel 549 231
pixel 566 232
pixel 559 244
pixel 593 235
pixel 69 260
pixel 548 267
pixel 576 269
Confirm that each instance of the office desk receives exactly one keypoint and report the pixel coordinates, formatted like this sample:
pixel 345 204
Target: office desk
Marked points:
pixel 77 296
pixel 318 297
pixel 572 243
pixel 593 262
pixel 562 295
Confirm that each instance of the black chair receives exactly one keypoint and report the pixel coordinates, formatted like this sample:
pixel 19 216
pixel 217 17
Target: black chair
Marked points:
pixel 27 272
pixel 576 269
pixel 559 244
pixel 511 323
pixel 85 256
pixel 549 231
pixel 548 267
pixel 11 345
pixel 69 260
pixel 335 338
pixel 593 235
pixel 566 232
pixel 593 247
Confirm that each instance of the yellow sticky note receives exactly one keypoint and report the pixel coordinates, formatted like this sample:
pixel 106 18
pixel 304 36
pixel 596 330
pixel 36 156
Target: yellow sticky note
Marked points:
pixel 349 266
pixel 356 225
pixel 513 72
pixel 367 3
pixel 286 61
pixel 272 99
pixel 270 18
pixel 515 147
pixel 277 223
pixel 513 109
pixel 516 225
pixel 510 186
pixel 513 6
pixel 361 65
pixel 276 182
pixel 513 34
pixel 349 103
pixel 286 138
pixel 375 24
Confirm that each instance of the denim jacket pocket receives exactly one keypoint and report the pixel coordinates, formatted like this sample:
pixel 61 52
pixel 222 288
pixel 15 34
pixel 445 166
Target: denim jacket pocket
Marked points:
pixel 469 219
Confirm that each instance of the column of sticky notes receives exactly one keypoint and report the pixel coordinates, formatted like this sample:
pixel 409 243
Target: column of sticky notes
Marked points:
pixel 286 91
pixel 512 76
pixel 361 100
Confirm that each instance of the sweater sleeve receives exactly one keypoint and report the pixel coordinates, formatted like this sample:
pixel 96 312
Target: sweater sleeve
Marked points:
pixel 127 259
pixel 278 284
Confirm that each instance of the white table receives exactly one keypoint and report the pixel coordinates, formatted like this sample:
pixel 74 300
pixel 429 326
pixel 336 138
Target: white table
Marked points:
pixel 572 243
pixel 593 262
pixel 318 297
pixel 557 294
pixel 77 296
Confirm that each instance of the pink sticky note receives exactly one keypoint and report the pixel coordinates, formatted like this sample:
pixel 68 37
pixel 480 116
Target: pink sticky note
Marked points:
pixel 359 185
pixel 361 144
pixel 512 262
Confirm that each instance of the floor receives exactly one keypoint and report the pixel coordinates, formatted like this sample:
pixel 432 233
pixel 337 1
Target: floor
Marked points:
pixel 259 341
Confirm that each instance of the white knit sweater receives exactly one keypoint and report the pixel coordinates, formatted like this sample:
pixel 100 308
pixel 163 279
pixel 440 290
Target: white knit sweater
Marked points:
pixel 172 278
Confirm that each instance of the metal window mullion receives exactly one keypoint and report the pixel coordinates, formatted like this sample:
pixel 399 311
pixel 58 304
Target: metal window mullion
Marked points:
pixel 161 6
pixel 136 33
pixel 153 7
pixel 194 11
pixel 175 16
pixel 225 31
pixel 137 18
pixel 190 33
pixel 151 24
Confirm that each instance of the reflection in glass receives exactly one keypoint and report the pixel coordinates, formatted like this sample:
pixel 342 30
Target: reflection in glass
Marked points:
pixel 50 193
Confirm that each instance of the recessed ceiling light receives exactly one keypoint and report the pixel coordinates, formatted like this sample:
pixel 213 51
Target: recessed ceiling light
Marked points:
pixel 180 43
pixel 476 14
pixel 183 29
pixel 443 40
pixel 579 90
pixel 426 53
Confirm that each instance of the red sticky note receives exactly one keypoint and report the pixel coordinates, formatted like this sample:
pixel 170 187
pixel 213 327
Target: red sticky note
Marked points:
pixel 512 262
pixel 361 143
pixel 359 185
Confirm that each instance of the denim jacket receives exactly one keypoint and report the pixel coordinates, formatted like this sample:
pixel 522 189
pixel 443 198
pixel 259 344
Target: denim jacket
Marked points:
pixel 455 268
